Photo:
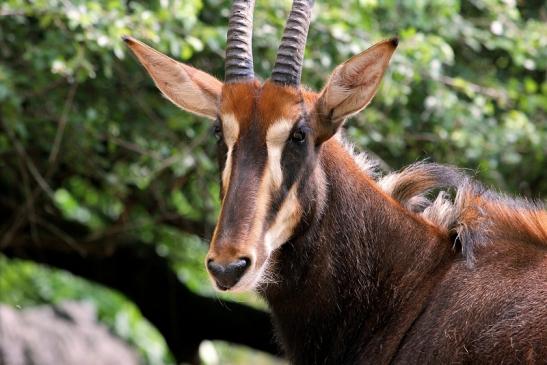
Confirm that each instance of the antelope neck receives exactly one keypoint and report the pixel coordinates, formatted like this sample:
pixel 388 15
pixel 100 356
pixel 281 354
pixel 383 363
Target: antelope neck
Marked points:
pixel 348 276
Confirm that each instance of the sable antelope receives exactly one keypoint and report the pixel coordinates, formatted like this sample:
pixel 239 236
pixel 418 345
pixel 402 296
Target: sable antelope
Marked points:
pixel 356 269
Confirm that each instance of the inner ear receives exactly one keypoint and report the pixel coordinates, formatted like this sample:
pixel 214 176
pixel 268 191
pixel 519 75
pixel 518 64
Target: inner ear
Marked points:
pixel 351 87
pixel 187 87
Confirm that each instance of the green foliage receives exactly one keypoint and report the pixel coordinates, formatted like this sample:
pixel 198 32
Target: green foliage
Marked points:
pixel 25 284
pixel 466 87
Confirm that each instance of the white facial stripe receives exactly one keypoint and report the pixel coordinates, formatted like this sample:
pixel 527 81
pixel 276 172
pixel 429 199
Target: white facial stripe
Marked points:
pixel 230 129
pixel 262 204
pixel 286 220
pixel 227 170
pixel 276 137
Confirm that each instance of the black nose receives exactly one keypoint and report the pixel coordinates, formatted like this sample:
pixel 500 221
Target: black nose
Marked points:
pixel 227 275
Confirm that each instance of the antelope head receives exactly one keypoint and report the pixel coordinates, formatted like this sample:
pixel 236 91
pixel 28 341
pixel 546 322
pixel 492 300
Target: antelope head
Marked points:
pixel 270 136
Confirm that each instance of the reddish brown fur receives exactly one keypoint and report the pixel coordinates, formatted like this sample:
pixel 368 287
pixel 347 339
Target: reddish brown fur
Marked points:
pixel 273 102
pixel 531 225
pixel 239 99
pixel 476 215
pixel 278 102
pixel 517 224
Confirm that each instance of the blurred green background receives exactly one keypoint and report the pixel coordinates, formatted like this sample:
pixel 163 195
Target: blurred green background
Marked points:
pixel 104 181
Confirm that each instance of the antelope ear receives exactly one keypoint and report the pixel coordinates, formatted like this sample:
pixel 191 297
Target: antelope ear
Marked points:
pixel 187 87
pixel 352 85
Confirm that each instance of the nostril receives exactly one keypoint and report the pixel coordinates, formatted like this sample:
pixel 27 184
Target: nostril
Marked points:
pixel 240 264
pixel 214 268
pixel 247 261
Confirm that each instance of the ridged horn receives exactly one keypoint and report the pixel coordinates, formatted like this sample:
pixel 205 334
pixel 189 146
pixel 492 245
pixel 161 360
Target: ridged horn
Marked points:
pixel 290 56
pixel 239 51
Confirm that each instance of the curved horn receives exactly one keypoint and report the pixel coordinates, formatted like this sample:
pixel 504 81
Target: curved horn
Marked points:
pixel 290 56
pixel 239 52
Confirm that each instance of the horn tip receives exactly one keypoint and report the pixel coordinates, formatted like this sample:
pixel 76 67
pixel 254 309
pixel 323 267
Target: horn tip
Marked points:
pixel 394 41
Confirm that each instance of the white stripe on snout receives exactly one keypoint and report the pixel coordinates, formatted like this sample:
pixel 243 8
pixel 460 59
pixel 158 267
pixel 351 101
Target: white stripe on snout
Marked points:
pixel 230 129
pixel 285 221
pixel 289 214
pixel 276 137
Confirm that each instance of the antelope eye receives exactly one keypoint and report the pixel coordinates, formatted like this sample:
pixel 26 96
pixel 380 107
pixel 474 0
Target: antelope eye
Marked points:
pixel 217 131
pixel 298 136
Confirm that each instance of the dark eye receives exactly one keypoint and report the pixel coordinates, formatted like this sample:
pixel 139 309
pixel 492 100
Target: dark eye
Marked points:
pixel 298 136
pixel 217 130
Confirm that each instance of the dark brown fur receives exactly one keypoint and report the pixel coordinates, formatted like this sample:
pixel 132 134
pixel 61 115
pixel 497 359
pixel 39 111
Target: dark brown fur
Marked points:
pixel 370 281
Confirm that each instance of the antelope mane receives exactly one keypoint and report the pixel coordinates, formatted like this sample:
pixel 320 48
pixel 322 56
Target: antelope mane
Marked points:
pixel 448 198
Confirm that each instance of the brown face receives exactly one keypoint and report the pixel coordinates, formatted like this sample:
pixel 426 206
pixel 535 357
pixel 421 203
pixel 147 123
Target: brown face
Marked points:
pixel 266 143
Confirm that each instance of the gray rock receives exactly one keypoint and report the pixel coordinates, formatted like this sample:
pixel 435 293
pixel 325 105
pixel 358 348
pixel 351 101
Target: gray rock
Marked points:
pixel 66 334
